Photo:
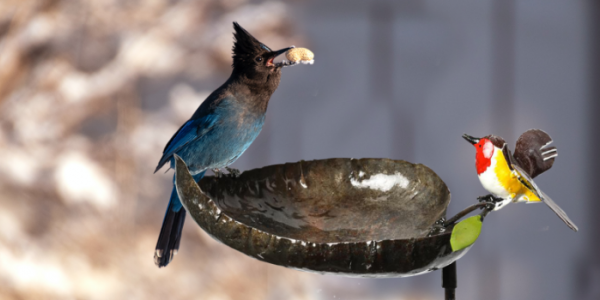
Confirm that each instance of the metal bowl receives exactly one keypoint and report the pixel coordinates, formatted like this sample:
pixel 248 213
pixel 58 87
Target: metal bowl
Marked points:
pixel 356 217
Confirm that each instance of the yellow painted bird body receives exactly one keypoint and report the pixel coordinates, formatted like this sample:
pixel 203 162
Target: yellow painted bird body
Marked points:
pixel 510 178
pixel 505 182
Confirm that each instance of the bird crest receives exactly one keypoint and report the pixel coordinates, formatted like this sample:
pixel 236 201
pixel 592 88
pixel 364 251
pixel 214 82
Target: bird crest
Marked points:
pixel 246 47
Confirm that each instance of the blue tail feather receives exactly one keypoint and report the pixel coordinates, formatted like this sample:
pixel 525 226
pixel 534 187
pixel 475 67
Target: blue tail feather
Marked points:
pixel 170 232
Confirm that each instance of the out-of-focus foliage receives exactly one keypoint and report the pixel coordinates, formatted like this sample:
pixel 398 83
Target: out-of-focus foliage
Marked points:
pixel 80 207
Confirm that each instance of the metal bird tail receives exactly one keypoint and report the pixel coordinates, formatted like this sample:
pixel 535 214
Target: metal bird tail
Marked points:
pixel 170 232
pixel 558 211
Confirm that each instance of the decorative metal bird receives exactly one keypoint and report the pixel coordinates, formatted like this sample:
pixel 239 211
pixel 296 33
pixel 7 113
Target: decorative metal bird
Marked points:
pixel 222 128
pixel 510 178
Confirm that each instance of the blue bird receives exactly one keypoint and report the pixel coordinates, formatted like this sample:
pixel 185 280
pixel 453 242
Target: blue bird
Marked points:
pixel 222 128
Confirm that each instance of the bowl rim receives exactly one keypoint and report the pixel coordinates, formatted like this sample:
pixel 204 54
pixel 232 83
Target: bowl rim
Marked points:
pixel 373 258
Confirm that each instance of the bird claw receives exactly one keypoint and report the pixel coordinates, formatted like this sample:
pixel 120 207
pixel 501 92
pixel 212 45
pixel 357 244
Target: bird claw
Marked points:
pixel 233 172
pixel 490 206
pixel 486 198
pixel 490 201
pixel 489 198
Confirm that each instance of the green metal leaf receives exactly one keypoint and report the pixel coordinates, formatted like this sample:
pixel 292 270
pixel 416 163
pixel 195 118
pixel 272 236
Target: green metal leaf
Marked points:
pixel 465 233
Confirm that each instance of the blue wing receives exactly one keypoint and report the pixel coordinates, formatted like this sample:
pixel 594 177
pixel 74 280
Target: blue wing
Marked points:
pixel 190 131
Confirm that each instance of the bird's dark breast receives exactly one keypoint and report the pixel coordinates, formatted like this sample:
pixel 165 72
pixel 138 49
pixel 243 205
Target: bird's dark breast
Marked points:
pixel 274 77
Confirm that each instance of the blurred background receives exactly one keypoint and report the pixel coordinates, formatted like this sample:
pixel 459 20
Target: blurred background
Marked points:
pixel 91 91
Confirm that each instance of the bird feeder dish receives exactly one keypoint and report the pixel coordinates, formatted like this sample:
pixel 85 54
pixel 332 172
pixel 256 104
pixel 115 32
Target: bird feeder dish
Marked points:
pixel 353 217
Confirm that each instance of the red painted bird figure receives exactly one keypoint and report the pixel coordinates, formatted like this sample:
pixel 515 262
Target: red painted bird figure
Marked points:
pixel 510 178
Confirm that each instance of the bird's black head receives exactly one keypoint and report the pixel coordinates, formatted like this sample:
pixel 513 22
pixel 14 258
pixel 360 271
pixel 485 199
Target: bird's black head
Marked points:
pixel 253 59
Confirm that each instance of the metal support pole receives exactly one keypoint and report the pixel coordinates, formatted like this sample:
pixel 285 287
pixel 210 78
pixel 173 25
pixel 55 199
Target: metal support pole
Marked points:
pixel 449 281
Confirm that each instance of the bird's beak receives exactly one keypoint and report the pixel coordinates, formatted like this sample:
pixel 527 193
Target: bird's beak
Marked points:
pixel 470 139
pixel 274 54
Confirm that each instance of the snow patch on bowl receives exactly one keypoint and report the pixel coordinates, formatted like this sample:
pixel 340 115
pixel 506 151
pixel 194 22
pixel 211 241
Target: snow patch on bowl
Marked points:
pixel 382 182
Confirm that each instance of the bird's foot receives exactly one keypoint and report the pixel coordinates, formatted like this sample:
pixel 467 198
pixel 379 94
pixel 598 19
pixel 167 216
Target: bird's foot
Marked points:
pixel 438 227
pixel 486 198
pixel 489 198
pixel 233 172
pixel 490 201
pixel 489 206
pixel 217 172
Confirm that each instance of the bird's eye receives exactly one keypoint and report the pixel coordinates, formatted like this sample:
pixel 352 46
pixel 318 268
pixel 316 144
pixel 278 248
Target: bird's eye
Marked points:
pixel 258 59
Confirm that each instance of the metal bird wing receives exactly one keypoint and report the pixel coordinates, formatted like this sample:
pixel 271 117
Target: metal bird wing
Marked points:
pixel 508 157
pixel 526 180
pixel 534 153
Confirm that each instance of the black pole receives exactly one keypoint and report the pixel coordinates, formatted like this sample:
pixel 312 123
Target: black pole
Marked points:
pixel 449 281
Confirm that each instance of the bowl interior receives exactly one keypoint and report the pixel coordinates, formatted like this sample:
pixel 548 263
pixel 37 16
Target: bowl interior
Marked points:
pixel 334 200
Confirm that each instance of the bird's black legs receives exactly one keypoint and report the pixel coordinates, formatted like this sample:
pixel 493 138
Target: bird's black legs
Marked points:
pixel 489 198
pixel 449 281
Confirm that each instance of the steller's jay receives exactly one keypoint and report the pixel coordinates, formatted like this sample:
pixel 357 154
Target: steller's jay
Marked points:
pixel 222 128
